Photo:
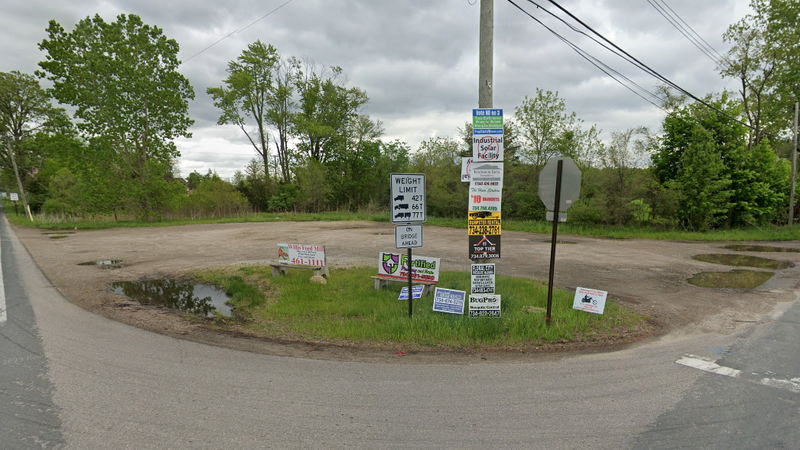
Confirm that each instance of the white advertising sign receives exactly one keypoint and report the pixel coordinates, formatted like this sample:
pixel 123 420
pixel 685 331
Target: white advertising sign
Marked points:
pixel 487 147
pixel 14 197
pixel 589 300
pixel 408 197
pixel 484 305
pixel 416 292
pixel 448 301
pixel 482 279
pixel 408 236
pixel 301 254
pixel 485 195
pixel 466 168
pixel 487 171
pixel 395 265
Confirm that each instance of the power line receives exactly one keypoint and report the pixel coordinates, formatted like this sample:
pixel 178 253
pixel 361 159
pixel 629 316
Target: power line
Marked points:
pixel 648 69
pixel 596 62
pixel 707 45
pixel 676 23
pixel 240 29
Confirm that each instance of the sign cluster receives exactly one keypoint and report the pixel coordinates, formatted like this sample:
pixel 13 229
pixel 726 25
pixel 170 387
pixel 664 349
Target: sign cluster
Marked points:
pixel 484 171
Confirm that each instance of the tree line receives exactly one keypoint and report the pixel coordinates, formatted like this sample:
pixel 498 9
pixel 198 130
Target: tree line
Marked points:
pixel 714 165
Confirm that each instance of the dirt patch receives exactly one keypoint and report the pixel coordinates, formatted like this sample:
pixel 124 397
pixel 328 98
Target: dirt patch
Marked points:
pixel 648 276
pixel 742 261
pixel 735 279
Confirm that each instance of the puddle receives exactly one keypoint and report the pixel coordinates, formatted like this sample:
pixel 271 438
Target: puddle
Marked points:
pixel 760 248
pixel 558 241
pixel 59 236
pixel 742 261
pixel 104 263
pixel 58 232
pixel 183 295
pixel 736 279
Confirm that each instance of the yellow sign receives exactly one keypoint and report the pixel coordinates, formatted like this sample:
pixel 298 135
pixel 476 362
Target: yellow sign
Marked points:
pixel 484 223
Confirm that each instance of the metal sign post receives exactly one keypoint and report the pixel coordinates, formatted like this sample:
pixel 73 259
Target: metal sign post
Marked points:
pixel 410 287
pixel 408 207
pixel 556 203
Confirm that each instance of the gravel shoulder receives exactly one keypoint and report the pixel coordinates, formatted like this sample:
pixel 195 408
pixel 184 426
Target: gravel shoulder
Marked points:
pixel 648 276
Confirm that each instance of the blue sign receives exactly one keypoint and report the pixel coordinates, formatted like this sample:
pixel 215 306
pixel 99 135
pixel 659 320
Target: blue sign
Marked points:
pixel 416 292
pixel 449 301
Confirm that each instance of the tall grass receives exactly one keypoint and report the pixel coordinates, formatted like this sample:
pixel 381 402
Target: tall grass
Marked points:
pixel 349 309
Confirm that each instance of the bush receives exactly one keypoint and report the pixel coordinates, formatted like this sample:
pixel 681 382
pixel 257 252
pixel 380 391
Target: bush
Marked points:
pixel 212 198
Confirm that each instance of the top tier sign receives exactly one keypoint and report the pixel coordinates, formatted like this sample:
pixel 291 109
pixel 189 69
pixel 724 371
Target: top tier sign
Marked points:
pixel 487 135
pixel 408 197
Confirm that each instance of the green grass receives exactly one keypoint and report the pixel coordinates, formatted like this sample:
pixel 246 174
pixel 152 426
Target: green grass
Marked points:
pixel 348 309
pixel 766 233
pixel 742 261
pixel 736 279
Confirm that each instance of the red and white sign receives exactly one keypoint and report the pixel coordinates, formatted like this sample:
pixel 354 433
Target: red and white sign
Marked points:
pixel 301 254
pixel 487 147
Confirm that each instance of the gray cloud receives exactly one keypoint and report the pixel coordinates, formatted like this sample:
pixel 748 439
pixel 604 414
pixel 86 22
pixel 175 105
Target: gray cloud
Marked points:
pixel 416 59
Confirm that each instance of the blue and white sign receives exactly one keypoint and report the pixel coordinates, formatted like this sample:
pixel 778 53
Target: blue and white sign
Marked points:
pixel 416 292
pixel 448 301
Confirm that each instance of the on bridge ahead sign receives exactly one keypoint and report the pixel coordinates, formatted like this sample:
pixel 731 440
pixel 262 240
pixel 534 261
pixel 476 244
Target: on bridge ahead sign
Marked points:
pixel 408 197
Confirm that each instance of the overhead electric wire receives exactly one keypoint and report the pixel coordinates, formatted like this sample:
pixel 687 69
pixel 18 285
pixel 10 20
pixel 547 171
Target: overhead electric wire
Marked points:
pixel 682 30
pixel 595 61
pixel 707 45
pixel 648 69
pixel 239 29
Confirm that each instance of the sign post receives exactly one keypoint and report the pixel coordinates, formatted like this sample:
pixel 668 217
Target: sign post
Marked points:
pixel 408 207
pixel 559 187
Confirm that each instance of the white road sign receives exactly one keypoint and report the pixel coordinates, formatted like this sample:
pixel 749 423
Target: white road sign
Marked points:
pixel 407 197
pixel 589 300
pixel 408 236
pixel 14 197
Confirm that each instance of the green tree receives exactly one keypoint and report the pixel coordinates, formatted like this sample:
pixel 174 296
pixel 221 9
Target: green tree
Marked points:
pixel 247 93
pixel 122 78
pixel 440 160
pixel 546 130
pixel 704 185
pixel 25 110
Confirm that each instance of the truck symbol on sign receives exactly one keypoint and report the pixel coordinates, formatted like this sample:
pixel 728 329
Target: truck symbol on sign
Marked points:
pixel 399 198
pixel 401 215
pixel 401 206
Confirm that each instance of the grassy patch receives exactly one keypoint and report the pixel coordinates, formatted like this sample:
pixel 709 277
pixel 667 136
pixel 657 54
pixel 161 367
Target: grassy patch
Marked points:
pixel 737 279
pixel 348 309
pixel 742 261
pixel 760 248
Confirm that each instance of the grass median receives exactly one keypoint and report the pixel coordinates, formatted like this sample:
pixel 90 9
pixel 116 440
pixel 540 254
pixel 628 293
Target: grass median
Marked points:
pixel 348 310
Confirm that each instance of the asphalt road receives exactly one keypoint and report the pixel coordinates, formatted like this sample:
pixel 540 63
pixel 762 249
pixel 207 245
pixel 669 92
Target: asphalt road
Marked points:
pixel 73 378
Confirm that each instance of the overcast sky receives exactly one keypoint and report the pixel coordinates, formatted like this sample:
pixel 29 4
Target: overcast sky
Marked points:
pixel 416 59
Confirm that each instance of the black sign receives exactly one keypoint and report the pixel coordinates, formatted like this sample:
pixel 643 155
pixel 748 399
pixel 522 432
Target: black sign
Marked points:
pixel 484 247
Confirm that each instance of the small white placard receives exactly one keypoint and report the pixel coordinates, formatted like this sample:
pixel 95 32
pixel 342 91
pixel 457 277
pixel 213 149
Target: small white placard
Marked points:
pixel 466 168
pixel 14 197
pixel 449 301
pixel 482 279
pixel 408 236
pixel 484 305
pixel 590 300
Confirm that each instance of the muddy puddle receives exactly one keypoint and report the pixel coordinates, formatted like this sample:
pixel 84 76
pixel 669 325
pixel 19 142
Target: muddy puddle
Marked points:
pixel 735 279
pixel 183 295
pixel 742 261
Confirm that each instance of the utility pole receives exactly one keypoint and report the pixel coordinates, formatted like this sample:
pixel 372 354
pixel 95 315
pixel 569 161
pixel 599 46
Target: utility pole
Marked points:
pixel 19 180
pixel 794 164
pixel 486 54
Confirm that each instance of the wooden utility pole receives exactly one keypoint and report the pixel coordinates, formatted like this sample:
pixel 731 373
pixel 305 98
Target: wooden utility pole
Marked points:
pixel 486 54
pixel 794 165
pixel 19 180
